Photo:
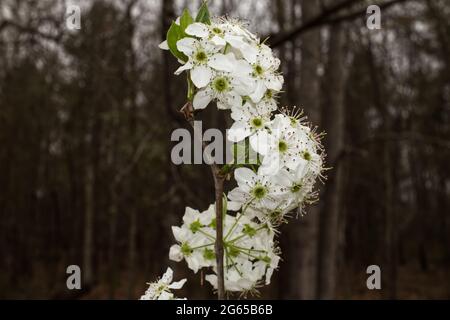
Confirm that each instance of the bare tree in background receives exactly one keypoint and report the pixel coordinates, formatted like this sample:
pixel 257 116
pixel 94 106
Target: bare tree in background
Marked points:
pixel 300 267
pixel 333 125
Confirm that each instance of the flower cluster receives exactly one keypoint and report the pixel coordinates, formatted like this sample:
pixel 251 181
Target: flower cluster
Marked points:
pixel 249 248
pixel 160 290
pixel 228 65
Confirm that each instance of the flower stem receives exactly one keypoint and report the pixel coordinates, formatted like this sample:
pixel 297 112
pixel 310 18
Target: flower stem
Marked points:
pixel 218 185
pixel 188 112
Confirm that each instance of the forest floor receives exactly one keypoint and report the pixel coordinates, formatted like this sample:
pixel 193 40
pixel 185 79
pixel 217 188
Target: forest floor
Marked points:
pixel 413 283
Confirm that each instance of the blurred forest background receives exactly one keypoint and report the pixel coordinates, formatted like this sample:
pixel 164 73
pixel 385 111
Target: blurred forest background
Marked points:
pixel 85 124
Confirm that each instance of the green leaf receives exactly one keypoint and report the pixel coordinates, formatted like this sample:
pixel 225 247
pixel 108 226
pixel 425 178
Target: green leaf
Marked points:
pixel 185 20
pixel 173 35
pixel 203 14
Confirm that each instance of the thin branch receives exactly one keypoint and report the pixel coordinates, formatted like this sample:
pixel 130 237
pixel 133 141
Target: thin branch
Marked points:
pixel 188 112
pixel 360 13
pixel 29 30
pixel 315 22
pixel 326 18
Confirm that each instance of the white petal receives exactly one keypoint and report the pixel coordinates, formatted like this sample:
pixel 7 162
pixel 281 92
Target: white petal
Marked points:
pixel 243 68
pixel 202 98
pixel 268 275
pixel 283 178
pixel 177 284
pixel 238 131
pixel 167 276
pixel 259 91
pixel 243 85
pixel 229 100
pixel 239 194
pixel 193 264
pixel 271 164
pixel 235 41
pixel 175 253
pixel 249 52
pixel 163 45
pixel 197 29
pixel 261 142
pixel 165 296
pixel 201 76
pixel 212 279
pixel 274 82
pixel 222 62
pixel 186 66
pixel 218 41
pixel 244 176
pixel 187 45
pixel 234 206
pixel 292 162
pixel 301 169
pixel 179 234
pixel 243 113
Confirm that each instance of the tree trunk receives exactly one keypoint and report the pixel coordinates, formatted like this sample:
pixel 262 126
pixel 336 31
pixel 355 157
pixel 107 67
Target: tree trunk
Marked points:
pixel 299 270
pixel 87 270
pixel 390 233
pixel 333 124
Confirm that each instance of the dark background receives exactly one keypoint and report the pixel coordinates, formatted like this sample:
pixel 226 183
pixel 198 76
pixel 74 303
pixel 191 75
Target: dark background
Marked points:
pixel 85 124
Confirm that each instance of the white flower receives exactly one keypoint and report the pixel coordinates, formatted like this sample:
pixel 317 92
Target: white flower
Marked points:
pixel 253 191
pixel 226 88
pixel 160 290
pixel 203 57
pixel 296 185
pixel 285 146
pixel 250 255
pixel 250 250
pixel 265 66
pixel 213 32
pixel 195 239
pixel 250 120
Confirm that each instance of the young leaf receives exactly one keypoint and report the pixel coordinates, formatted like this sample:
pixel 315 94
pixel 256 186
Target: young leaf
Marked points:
pixel 185 20
pixel 173 35
pixel 203 14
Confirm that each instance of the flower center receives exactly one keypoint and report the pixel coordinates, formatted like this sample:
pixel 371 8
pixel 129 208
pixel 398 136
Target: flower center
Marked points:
pixel 293 121
pixel 282 146
pixel 257 123
pixel 258 70
pixel 259 191
pixel 221 84
pixel 186 249
pixel 209 254
pixel 195 226
pixel 268 94
pixel 249 230
pixel 306 156
pixel 161 287
pixel 201 56
pixel 296 187
pixel 217 30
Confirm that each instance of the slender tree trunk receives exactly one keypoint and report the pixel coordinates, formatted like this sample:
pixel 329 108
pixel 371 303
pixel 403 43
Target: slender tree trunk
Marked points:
pixel 112 277
pixel 299 270
pixel 390 233
pixel 333 124
pixel 88 224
